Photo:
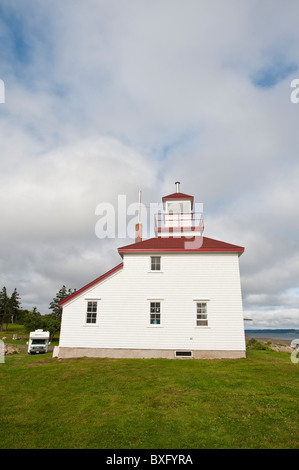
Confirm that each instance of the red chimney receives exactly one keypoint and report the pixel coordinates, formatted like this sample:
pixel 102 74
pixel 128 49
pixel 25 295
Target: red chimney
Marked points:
pixel 138 233
pixel 138 227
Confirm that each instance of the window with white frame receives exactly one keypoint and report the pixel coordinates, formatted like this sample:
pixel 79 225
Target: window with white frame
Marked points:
pixel 155 313
pixel 178 207
pixel 92 310
pixel 155 263
pixel 201 314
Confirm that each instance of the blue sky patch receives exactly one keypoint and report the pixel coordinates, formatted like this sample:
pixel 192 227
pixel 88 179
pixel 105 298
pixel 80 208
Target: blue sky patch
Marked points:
pixel 268 77
pixel 16 37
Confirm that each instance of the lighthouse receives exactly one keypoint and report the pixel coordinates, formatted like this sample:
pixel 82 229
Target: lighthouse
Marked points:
pixel 175 295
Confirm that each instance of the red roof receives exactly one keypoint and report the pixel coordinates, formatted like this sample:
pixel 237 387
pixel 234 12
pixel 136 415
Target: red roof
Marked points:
pixel 180 244
pixel 92 283
pixel 178 196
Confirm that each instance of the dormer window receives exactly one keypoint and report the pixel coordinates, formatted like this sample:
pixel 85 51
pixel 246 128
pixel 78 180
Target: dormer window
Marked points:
pixel 155 263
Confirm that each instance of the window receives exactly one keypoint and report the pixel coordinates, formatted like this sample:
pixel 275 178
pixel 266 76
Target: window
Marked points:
pixel 155 313
pixel 91 316
pixel 155 263
pixel 38 341
pixel 179 207
pixel 201 314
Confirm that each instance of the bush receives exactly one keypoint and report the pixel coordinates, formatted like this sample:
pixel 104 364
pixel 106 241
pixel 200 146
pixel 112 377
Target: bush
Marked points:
pixel 32 321
pixel 254 344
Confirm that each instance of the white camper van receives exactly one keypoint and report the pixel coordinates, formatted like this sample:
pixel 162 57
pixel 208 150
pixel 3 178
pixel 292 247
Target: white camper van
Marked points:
pixel 38 341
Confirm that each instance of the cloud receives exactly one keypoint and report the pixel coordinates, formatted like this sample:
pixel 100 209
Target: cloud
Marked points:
pixel 105 98
pixel 274 318
pixel 48 212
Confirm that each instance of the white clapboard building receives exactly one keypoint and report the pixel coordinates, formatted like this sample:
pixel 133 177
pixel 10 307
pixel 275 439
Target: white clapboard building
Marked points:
pixel 175 295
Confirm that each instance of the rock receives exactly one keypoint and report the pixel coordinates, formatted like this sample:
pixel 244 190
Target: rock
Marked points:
pixel 278 347
pixel 10 349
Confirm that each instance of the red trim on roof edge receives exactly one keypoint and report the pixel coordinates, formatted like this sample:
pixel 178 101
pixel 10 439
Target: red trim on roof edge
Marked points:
pixel 177 244
pixel 189 250
pixel 92 283
pixel 177 196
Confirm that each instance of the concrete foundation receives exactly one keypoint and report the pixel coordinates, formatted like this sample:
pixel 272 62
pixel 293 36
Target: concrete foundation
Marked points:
pixel 65 353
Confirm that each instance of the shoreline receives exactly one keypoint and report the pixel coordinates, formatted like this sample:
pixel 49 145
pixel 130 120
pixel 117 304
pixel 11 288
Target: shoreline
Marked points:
pixel 273 340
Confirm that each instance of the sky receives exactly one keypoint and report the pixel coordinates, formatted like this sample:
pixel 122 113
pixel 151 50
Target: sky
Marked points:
pixel 104 98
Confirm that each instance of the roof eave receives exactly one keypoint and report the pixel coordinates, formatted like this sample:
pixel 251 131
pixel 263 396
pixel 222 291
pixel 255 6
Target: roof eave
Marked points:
pixel 179 250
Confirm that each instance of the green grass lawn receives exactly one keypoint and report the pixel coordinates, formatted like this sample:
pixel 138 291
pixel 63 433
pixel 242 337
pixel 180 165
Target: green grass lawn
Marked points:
pixel 149 404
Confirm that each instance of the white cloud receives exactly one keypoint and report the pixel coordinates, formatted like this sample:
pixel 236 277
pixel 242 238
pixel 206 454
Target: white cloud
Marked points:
pixel 273 318
pixel 105 98
pixel 48 211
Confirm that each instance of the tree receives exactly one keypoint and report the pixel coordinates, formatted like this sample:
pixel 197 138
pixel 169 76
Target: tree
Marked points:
pixel 20 317
pixel 4 307
pixel 61 295
pixel 9 307
pixel 49 323
pixel 32 320
pixel 14 305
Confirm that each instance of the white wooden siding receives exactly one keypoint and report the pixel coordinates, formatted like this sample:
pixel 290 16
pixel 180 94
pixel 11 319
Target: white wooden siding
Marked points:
pixel 123 319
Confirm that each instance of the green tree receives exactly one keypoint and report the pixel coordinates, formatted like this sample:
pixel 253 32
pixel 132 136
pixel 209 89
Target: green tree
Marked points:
pixel 4 307
pixel 14 306
pixel 61 295
pixel 32 320
pixel 9 307
pixel 49 323
pixel 20 316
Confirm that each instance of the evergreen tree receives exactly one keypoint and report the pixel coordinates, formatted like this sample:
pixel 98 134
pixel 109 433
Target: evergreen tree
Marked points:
pixel 61 295
pixel 14 306
pixel 4 307
pixel 9 307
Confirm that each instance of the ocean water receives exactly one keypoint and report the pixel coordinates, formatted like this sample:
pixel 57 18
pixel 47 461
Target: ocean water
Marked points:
pixel 285 334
